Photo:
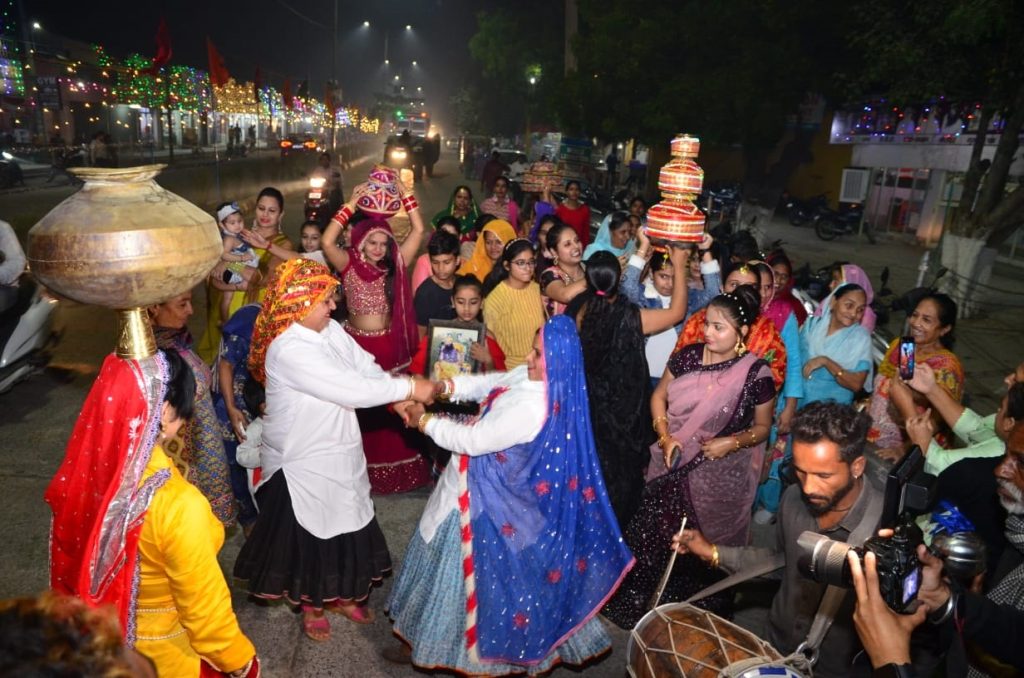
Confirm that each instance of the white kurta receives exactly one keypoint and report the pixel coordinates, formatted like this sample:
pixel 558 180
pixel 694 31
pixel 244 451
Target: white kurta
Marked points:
pixel 515 417
pixel 315 380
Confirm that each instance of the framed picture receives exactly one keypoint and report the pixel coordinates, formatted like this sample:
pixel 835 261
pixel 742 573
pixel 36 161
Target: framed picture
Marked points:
pixel 448 348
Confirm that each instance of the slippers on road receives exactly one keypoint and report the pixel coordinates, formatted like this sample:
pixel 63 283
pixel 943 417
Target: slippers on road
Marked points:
pixel 359 614
pixel 316 628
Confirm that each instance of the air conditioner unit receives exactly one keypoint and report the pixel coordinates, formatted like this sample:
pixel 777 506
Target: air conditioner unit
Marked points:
pixel 854 187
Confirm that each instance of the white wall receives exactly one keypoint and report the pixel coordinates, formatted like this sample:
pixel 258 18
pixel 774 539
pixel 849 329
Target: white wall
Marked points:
pixel 951 157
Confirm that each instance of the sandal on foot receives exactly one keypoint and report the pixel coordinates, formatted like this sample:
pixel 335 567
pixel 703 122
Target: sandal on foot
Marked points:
pixel 316 628
pixel 359 614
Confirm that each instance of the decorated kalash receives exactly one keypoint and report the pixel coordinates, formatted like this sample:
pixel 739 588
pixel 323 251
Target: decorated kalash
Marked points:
pixel 122 510
pixel 676 220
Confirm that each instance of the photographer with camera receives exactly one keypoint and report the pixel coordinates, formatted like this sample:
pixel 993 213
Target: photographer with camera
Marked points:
pixel 832 497
pixel 992 625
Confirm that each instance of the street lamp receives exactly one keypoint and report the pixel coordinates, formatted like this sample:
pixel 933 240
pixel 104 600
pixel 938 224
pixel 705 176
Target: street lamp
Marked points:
pixel 396 78
pixel 366 24
pixel 36 26
pixel 408 27
pixel 414 63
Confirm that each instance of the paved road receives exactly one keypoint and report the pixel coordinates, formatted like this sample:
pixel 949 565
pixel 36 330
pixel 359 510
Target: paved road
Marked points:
pixel 36 418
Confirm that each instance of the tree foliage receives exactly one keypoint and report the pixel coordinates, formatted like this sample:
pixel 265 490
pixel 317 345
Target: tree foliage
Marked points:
pixel 963 50
pixel 510 46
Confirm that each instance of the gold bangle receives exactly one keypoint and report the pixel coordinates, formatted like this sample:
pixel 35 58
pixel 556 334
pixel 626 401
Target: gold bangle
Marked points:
pixel 658 420
pixel 737 439
pixel 423 421
pixel 753 439
pixel 412 388
pixel 839 373
pixel 714 556
pixel 663 438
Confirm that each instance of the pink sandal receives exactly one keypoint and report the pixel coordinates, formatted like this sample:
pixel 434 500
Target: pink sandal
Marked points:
pixel 355 612
pixel 316 627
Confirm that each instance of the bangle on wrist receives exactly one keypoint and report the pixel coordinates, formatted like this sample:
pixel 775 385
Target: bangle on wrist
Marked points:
pixel 410 203
pixel 412 388
pixel 839 373
pixel 343 215
pixel 423 421
pixel 658 420
pixel 943 614
pixel 714 556
pixel 736 439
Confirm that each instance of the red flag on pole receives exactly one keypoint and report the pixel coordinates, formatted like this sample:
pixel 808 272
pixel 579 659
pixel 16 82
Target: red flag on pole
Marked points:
pixel 286 93
pixel 257 83
pixel 163 47
pixel 219 75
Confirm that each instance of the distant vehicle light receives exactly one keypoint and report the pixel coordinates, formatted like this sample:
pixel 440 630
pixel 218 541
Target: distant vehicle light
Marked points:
pixel 317 182
pixel 398 154
pixel 310 144
pixel 286 143
pixel 8 156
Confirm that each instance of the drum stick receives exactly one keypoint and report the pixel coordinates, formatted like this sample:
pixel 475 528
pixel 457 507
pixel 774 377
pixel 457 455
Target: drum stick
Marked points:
pixel 668 570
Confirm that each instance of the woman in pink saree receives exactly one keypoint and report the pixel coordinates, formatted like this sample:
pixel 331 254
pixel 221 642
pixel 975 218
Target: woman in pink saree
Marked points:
pixel 712 411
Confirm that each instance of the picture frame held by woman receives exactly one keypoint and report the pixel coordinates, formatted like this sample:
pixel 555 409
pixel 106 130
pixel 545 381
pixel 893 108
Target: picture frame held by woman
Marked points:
pixel 449 348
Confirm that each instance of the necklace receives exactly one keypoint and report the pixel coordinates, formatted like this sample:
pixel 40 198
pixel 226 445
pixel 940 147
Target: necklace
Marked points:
pixel 568 275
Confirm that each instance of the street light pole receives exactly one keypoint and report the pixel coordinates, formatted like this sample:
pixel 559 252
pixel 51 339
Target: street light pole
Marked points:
pixel 334 80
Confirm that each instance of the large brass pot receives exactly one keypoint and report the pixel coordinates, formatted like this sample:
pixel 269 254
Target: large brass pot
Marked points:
pixel 124 242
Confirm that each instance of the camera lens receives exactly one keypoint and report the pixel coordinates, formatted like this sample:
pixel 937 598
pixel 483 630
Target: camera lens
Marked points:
pixel 823 559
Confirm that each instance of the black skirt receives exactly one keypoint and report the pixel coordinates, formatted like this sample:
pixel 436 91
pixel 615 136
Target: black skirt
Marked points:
pixel 281 559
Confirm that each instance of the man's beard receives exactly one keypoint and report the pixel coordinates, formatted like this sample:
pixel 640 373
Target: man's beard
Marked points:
pixel 1014 503
pixel 818 510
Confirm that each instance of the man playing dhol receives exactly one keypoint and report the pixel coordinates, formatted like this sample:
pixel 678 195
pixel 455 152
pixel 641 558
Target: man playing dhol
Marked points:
pixel 831 497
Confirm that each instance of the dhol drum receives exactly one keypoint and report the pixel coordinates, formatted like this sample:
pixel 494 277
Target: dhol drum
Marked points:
pixel 678 639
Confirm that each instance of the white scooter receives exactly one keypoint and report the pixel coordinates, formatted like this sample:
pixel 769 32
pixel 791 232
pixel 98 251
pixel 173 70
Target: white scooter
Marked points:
pixel 26 333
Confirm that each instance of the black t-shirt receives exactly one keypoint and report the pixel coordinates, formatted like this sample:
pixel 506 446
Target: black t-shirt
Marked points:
pixel 432 302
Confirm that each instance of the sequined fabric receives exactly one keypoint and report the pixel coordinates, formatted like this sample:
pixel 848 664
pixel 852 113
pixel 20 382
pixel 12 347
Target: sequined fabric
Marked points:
pixel 715 495
pixel 365 297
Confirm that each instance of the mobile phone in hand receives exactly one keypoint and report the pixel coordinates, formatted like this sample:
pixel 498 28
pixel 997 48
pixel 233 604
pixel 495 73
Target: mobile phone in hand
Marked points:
pixel 906 358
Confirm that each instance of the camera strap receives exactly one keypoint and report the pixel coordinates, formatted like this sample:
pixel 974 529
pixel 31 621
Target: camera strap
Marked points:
pixel 834 595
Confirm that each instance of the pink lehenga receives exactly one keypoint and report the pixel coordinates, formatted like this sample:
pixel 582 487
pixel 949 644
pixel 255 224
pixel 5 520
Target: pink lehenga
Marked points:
pixel 704 402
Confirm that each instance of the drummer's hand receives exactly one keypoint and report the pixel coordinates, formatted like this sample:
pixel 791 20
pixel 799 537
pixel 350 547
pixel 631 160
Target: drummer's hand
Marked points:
pixel 884 633
pixel 692 541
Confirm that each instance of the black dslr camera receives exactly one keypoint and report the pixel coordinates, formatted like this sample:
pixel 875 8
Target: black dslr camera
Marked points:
pixel 909 491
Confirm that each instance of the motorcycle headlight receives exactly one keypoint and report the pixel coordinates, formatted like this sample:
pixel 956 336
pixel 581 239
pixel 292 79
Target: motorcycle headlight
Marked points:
pixel 398 154
pixel 317 182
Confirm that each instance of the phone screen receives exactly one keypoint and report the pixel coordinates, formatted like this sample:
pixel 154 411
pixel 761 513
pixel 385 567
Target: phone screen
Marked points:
pixel 906 358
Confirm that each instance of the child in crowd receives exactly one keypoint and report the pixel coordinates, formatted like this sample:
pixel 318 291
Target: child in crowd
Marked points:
pixel 648 281
pixel 248 454
pixel 421 270
pixel 433 298
pixel 513 308
pixel 468 299
pixel 310 240
pixel 238 259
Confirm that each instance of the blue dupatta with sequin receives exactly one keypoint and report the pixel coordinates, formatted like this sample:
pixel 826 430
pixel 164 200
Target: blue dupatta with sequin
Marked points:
pixel 547 550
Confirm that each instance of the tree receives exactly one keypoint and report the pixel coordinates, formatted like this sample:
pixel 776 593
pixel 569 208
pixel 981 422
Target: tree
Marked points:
pixel 965 51
pixel 466 104
pixel 508 46
pixel 733 72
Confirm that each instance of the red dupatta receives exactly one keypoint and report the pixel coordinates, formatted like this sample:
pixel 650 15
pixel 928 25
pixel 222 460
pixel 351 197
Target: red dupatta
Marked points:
pixel 97 495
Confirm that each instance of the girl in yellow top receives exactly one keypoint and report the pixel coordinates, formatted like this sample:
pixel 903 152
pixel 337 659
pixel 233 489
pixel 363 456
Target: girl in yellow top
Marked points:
pixel 513 308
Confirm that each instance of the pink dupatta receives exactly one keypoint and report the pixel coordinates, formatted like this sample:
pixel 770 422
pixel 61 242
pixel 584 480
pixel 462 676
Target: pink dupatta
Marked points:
pixel 701 404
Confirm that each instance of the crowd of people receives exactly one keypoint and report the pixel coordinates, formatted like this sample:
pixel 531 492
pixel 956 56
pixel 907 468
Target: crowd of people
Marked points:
pixel 615 388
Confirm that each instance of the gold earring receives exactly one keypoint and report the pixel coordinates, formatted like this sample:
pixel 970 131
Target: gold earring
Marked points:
pixel 741 348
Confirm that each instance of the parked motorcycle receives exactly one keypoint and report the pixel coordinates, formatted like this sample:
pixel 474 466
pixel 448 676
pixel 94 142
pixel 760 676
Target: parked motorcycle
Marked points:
pixel 26 333
pixel 830 224
pixel 800 211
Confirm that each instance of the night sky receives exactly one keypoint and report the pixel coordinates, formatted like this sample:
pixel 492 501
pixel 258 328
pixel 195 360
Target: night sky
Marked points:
pixel 271 34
